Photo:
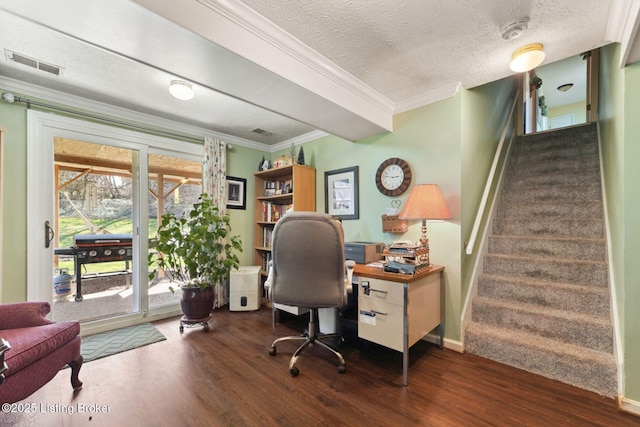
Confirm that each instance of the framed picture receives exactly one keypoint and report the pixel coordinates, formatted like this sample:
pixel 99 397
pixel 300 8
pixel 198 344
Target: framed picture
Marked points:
pixel 341 193
pixel 236 193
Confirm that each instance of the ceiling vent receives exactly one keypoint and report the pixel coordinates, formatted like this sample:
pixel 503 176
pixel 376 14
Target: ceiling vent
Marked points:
pixel 262 132
pixel 33 63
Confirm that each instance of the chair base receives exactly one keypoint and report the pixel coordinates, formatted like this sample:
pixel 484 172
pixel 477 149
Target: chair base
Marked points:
pixel 309 337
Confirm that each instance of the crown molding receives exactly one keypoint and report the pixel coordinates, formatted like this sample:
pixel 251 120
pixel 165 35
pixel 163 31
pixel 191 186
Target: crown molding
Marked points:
pixel 623 25
pixel 443 92
pixel 256 24
pixel 299 140
pixel 109 110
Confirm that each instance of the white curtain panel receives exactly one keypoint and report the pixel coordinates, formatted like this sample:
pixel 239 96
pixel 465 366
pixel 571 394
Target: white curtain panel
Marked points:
pixel 214 173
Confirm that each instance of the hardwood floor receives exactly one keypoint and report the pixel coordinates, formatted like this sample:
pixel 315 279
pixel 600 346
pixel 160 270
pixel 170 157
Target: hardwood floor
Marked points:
pixel 225 377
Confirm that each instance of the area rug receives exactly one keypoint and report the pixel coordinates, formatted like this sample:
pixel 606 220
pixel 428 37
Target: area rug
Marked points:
pixel 111 342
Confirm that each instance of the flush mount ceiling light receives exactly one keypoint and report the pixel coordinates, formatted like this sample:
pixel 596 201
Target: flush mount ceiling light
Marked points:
pixel 565 87
pixel 181 89
pixel 527 58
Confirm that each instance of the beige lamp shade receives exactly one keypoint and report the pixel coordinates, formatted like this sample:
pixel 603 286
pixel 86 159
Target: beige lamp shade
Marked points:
pixel 425 202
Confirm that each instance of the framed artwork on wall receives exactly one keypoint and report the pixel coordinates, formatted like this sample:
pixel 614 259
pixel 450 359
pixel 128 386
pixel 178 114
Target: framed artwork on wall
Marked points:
pixel 341 193
pixel 236 193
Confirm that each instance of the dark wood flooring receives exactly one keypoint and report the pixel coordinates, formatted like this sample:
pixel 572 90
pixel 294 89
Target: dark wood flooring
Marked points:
pixel 225 377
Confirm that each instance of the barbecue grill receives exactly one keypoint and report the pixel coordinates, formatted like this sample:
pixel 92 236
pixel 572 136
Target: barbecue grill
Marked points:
pixel 93 248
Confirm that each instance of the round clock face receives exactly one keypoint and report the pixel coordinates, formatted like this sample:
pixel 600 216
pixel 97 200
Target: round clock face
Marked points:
pixel 393 177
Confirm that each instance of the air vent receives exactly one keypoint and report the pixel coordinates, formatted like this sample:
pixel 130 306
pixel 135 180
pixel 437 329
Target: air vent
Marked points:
pixel 33 63
pixel 262 132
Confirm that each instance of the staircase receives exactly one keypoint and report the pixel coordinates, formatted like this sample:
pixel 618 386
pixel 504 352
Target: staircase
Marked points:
pixel 543 302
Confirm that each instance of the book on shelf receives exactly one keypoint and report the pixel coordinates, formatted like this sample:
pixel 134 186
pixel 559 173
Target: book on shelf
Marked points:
pixel 274 188
pixel 272 212
pixel 266 236
pixel 266 259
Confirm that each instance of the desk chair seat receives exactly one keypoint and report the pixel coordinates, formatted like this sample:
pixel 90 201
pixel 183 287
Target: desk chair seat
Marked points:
pixel 308 271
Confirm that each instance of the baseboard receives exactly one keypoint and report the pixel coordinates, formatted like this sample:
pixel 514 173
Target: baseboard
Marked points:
pixel 629 406
pixel 448 343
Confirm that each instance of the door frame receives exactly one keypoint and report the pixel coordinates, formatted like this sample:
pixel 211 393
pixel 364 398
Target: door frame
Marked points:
pixel 42 127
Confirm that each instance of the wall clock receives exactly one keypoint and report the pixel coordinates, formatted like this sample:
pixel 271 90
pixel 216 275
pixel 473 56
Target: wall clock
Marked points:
pixel 393 177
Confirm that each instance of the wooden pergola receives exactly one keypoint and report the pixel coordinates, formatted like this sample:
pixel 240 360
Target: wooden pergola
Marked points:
pixel 85 158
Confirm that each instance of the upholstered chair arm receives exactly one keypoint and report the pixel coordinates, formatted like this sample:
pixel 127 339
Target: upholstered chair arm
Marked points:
pixel 24 314
pixel 269 281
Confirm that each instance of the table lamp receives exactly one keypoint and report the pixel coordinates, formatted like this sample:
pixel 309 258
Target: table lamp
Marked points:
pixel 425 202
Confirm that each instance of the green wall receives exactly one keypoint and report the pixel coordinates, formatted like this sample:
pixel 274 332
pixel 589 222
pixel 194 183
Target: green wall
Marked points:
pixel 241 162
pixel 619 131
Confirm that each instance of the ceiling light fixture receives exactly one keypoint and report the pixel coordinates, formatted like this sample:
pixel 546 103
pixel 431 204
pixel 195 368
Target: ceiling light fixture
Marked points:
pixel 527 58
pixel 181 89
pixel 565 87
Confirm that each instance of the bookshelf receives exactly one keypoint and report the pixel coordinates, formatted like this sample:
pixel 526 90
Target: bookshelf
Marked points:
pixel 276 190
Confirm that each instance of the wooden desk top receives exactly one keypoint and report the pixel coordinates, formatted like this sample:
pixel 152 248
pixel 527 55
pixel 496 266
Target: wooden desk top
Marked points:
pixel 378 273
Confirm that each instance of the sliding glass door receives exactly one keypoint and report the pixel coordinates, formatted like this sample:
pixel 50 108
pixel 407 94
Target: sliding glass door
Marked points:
pixel 95 193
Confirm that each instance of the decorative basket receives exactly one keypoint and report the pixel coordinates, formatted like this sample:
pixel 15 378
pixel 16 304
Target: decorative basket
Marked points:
pixel 391 224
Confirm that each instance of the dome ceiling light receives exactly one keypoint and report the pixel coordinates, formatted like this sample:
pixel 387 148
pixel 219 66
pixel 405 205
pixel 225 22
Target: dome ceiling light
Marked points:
pixel 181 89
pixel 565 87
pixel 527 58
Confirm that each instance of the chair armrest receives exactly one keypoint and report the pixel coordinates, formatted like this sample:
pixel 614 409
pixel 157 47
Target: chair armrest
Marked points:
pixel 350 265
pixel 269 281
pixel 4 346
pixel 24 314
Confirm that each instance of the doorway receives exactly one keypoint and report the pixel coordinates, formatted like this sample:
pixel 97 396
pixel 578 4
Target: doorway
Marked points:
pixel 93 191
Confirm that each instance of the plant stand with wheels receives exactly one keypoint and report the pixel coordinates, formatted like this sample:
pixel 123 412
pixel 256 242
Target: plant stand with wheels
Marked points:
pixel 193 323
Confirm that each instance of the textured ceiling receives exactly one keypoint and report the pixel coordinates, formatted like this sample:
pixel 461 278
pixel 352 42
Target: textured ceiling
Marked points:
pixel 289 67
pixel 408 48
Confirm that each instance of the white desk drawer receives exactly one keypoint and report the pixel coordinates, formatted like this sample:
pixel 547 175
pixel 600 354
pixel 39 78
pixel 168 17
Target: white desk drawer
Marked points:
pixel 381 290
pixel 380 322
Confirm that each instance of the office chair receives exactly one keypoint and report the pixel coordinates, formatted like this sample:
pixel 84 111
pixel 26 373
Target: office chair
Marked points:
pixel 308 271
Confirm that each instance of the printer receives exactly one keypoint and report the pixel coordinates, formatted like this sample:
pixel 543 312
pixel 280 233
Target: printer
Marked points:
pixel 363 252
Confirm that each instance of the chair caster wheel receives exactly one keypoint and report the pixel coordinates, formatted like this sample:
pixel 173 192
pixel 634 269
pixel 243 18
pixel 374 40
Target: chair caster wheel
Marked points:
pixel 342 369
pixel 272 351
pixel 181 329
pixel 294 371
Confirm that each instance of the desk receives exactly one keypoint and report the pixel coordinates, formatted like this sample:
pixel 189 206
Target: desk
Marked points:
pixel 397 310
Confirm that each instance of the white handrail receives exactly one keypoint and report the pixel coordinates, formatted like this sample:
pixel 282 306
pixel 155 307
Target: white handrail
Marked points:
pixel 490 179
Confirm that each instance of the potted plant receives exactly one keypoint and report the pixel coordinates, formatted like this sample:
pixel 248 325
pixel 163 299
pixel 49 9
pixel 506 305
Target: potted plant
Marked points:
pixel 197 252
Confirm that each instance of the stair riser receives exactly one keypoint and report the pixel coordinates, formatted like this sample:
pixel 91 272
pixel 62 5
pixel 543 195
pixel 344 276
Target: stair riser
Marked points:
pixel 545 194
pixel 588 274
pixel 588 301
pixel 576 228
pixel 590 335
pixel 590 250
pixel 529 154
pixel 599 378
pixel 560 179
pixel 551 210
pixel 569 165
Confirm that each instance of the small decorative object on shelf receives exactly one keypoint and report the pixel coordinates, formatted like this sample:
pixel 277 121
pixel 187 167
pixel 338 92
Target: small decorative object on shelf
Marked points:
pixel 292 152
pixel 301 156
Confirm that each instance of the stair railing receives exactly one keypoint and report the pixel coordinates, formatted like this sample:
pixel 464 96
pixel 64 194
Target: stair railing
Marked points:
pixel 494 173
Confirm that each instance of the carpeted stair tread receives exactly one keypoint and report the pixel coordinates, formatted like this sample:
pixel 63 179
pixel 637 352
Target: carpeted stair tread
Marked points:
pixel 588 228
pixel 576 365
pixel 525 165
pixel 591 273
pixel 561 296
pixel 568 179
pixel 566 326
pixel 560 210
pixel 550 247
pixel 545 194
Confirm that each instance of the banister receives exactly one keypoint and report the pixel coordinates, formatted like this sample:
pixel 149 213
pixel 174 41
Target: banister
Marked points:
pixel 492 175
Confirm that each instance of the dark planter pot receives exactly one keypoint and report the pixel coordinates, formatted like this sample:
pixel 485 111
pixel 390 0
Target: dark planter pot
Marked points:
pixel 197 303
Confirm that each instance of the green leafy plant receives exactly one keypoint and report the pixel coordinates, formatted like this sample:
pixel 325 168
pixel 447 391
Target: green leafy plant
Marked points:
pixel 197 250
pixel 543 105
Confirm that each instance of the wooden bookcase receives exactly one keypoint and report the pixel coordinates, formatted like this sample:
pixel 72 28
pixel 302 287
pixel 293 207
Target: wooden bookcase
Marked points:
pixel 296 187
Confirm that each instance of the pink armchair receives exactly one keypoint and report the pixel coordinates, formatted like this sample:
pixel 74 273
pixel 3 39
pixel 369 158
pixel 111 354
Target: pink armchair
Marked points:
pixel 39 348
